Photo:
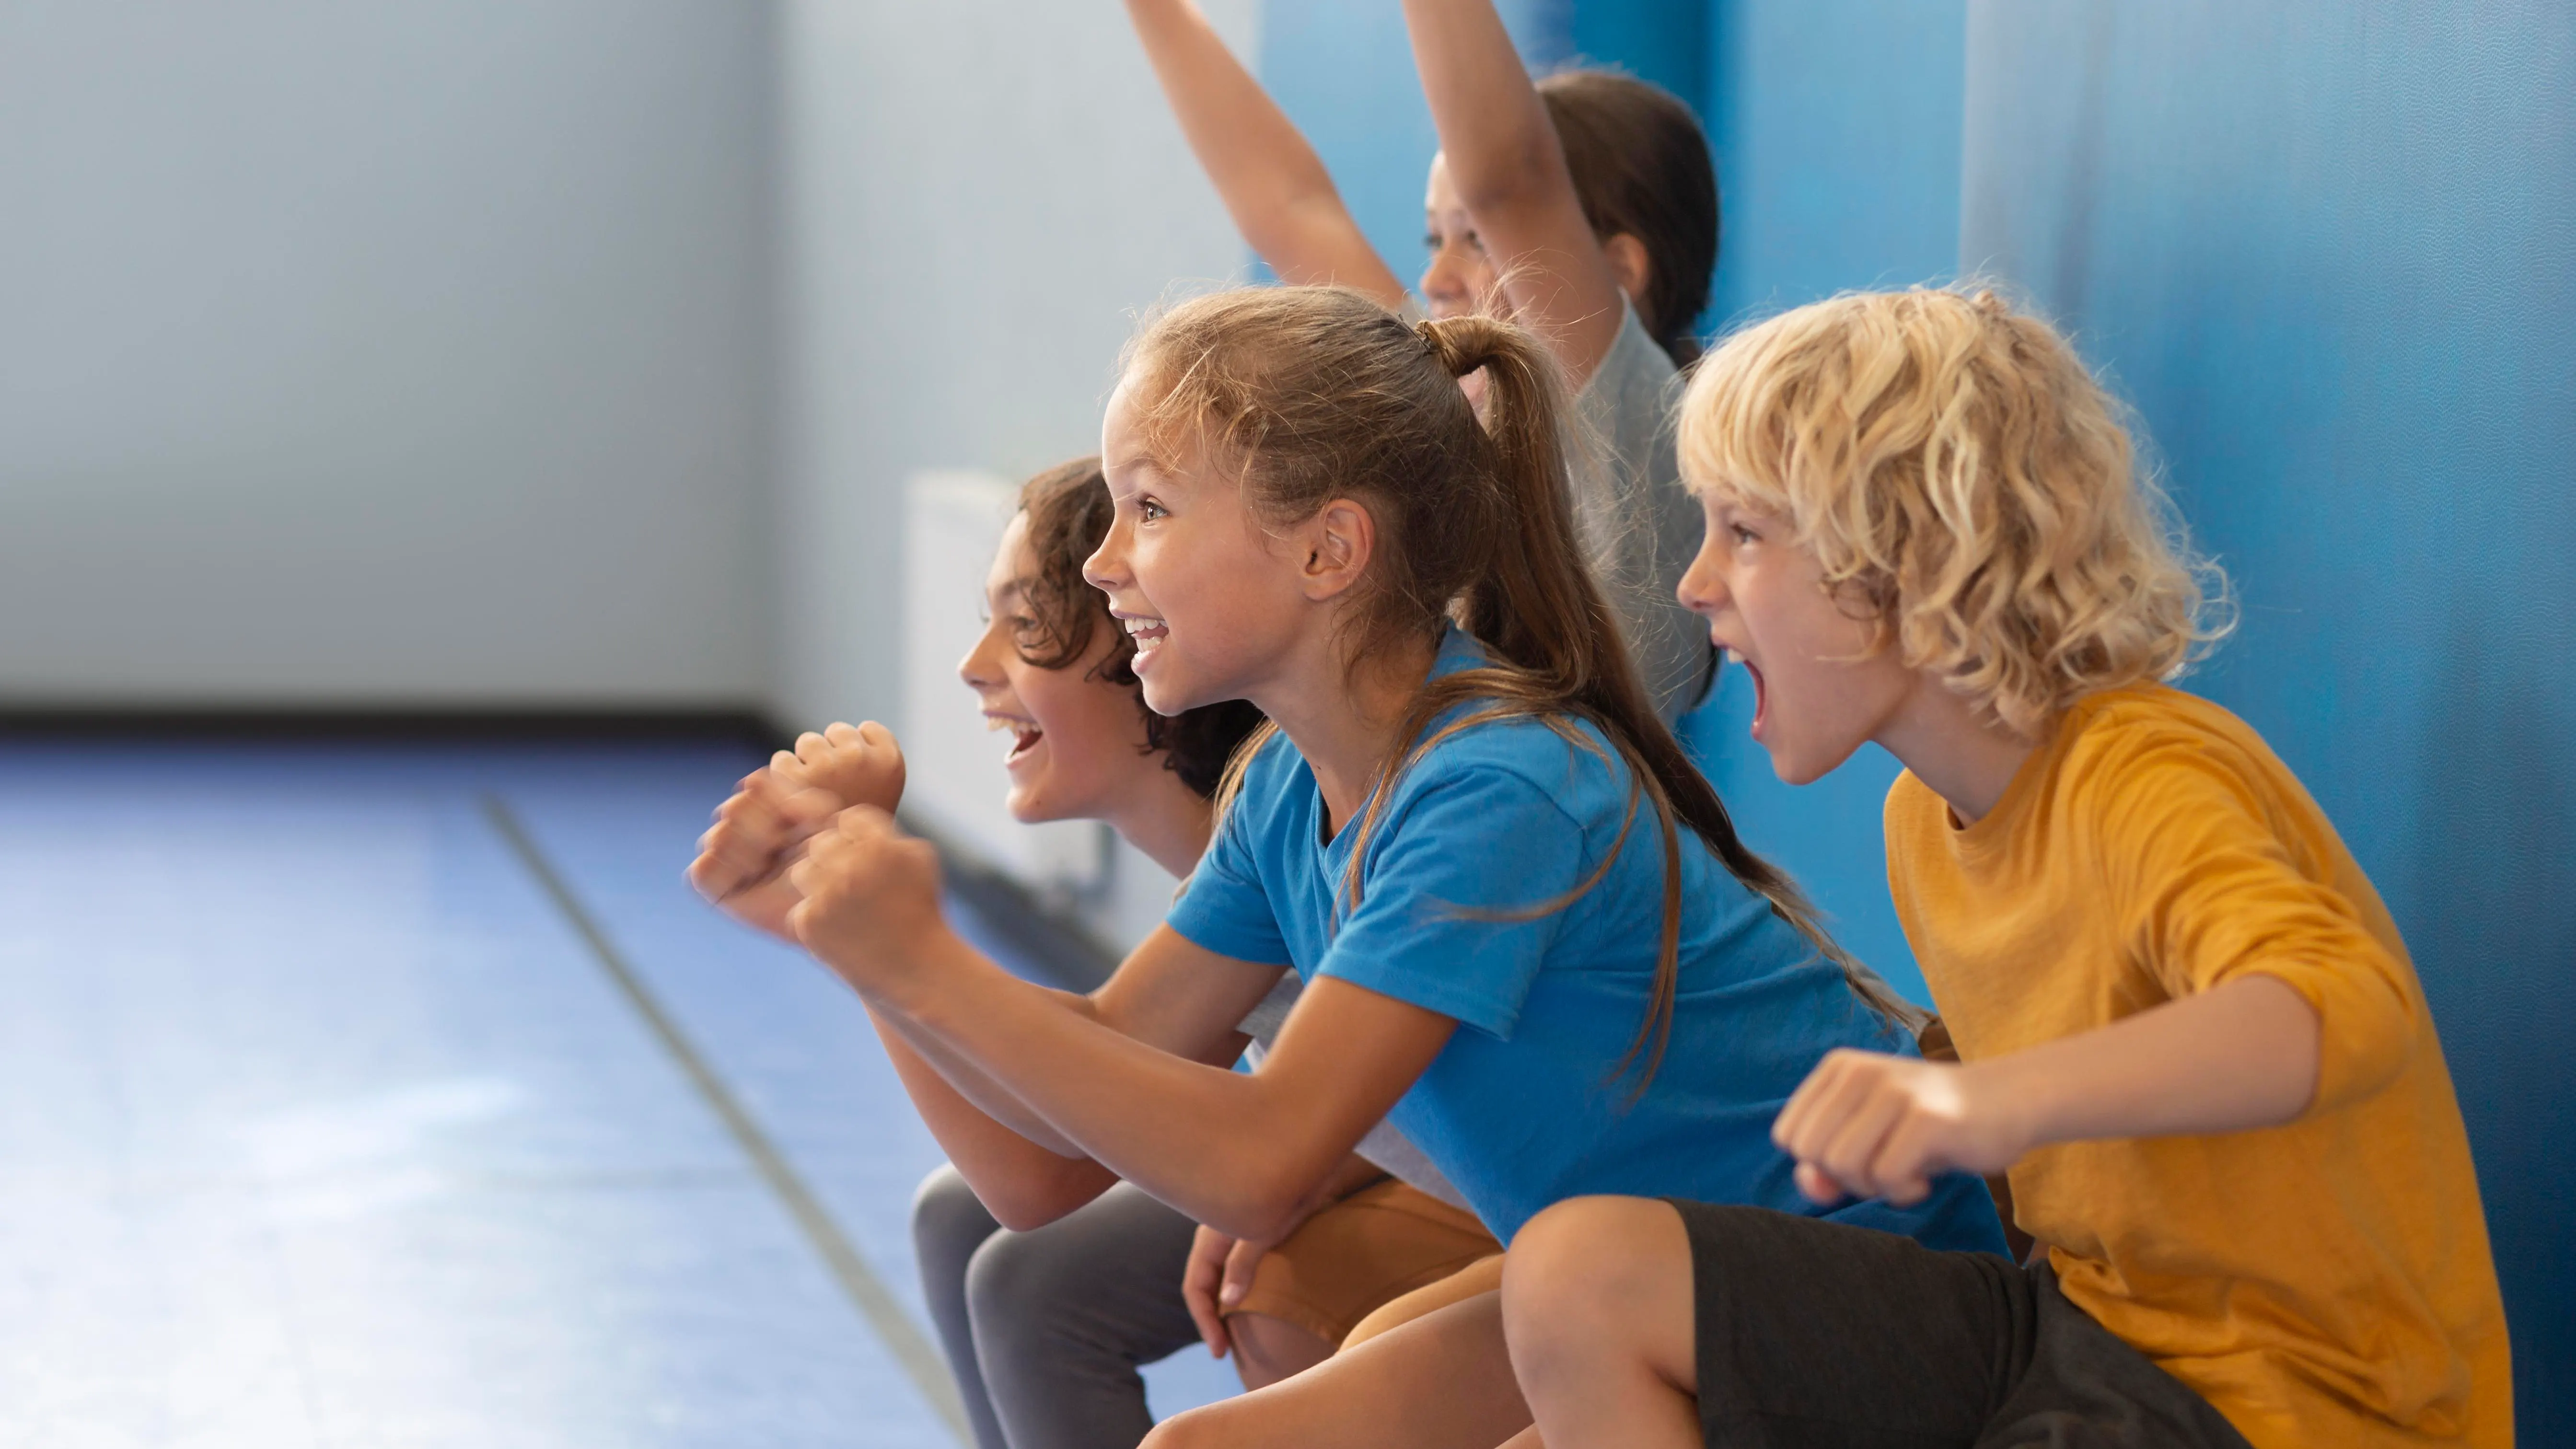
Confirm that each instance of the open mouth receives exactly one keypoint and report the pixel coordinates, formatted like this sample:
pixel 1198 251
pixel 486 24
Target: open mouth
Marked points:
pixel 1025 734
pixel 1761 691
pixel 1149 634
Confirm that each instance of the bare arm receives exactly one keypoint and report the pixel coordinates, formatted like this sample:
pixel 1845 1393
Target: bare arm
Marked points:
pixel 1242 1153
pixel 1510 172
pixel 1272 183
pixel 1026 1171
pixel 2240 1056
pixel 1022 1184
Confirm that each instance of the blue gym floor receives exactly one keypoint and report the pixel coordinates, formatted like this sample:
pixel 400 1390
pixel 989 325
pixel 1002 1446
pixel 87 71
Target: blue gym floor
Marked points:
pixel 326 1116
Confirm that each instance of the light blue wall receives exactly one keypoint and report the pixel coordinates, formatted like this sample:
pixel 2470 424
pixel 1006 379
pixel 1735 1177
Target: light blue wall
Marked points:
pixel 2329 251
pixel 1836 128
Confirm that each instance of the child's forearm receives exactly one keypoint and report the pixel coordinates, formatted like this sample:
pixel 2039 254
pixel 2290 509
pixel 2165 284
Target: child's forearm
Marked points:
pixel 1493 128
pixel 2242 1056
pixel 1023 1182
pixel 961 1092
pixel 1272 183
pixel 1195 1135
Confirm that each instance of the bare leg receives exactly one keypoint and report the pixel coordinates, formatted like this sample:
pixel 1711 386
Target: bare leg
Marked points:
pixel 1597 1302
pixel 1481 1276
pixel 1443 1381
pixel 1268 1349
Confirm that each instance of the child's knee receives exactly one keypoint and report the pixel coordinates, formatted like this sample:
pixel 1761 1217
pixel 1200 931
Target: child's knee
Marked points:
pixel 1573 1267
pixel 1020 1277
pixel 948 1221
pixel 1200 1428
pixel 1268 1349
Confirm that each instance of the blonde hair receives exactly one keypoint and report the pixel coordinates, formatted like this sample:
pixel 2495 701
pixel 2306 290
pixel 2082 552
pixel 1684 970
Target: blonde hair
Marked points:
pixel 1314 393
pixel 1963 478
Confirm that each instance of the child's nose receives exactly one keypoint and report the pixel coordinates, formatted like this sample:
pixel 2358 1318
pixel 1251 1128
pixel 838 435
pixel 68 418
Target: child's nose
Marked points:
pixel 981 666
pixel 1440 276
pixel 1701 590
pixel 1106 568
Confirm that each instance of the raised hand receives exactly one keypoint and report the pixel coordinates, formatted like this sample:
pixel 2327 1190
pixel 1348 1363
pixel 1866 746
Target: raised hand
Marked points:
pixel 760 831
pixel 858 764
pixel 869 898
pixel 1865 1124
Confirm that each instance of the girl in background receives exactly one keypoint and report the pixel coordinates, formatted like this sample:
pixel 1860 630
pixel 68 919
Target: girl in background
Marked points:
pixel 1526 928
pixel 1583 208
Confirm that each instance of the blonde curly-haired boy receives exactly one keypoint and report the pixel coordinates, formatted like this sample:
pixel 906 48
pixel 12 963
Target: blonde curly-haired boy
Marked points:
pixel 2189 1029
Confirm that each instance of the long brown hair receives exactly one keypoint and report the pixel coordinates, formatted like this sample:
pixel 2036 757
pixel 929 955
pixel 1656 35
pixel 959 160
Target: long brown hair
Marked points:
pixel 1641 168
pixel 1314 393
pixel 1069 513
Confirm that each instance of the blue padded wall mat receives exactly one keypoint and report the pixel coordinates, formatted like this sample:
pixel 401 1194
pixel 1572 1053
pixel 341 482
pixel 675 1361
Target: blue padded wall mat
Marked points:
pixel 2328 250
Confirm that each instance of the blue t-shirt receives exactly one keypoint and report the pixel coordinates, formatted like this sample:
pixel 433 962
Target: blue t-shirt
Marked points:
pixel 1519 1109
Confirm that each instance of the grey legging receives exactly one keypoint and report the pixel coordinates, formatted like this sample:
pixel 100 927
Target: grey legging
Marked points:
pixel 1045 1330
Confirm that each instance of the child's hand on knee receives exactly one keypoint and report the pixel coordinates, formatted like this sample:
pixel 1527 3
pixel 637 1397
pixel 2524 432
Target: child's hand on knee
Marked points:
pixel 1219 1275
pixel 868 901
pixel 1865 1124
pixel 759 832
pixel 857 764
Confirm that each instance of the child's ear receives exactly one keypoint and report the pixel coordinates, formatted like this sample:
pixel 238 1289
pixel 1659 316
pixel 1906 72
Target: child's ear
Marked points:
pixel 1631 265
pixel 1338 542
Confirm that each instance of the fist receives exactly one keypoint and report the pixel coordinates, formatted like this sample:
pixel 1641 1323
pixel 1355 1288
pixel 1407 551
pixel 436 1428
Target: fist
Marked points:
pixel 1865 1124
pixel 868 900
pixel 856 764
pixel 742 860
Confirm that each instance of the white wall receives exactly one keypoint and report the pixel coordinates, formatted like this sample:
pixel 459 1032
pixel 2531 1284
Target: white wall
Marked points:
pixel 978 198
pixel 398 352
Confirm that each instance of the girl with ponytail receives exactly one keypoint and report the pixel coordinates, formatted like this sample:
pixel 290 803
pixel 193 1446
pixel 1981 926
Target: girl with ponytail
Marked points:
pixel 1529 936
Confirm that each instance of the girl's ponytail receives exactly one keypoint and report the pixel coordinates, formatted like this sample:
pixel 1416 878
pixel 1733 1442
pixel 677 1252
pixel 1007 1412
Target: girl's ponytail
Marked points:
pixel 1318 392
pixel 1539 607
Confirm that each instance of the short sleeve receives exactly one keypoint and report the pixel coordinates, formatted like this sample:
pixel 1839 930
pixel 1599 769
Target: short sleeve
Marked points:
pixel 1463 899
pixel 1223 906
pixel 2213 888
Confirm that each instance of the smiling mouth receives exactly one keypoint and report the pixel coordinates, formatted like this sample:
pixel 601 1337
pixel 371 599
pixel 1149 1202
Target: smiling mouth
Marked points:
pixel 1149 634
pixel 1025 734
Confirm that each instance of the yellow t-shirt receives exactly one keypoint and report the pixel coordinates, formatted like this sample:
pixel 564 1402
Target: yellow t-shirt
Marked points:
pixel 2325 1282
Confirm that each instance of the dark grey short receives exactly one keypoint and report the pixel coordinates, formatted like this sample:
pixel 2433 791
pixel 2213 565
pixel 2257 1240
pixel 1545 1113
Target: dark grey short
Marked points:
pixel 1814 1335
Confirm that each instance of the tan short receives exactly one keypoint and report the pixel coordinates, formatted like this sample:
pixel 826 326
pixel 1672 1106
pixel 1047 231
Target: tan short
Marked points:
pixel 1485 1275
pixel 1361 1253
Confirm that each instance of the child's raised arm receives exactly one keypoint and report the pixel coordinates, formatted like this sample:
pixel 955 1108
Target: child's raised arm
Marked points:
pixel 1273 184
pixel 1509 168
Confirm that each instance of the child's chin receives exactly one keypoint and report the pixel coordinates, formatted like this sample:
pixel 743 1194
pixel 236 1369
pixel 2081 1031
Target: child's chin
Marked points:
pixel 1795 767
pixel 1028 807
pixel 1165 697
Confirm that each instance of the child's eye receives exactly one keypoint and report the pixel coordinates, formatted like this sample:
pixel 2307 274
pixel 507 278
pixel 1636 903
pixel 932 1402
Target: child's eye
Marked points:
pixel 1149 510
pixel 1431 241
pixel 1743 534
